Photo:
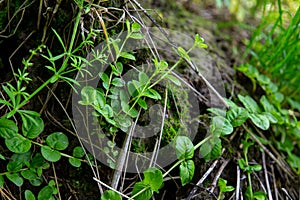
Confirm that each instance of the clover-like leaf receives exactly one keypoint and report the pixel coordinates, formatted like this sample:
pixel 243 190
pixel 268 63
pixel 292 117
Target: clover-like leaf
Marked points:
pixel 50 154
pixel 8 128
pixel 32 125
pixel 18 144
pixel 58 141
pixel 154 178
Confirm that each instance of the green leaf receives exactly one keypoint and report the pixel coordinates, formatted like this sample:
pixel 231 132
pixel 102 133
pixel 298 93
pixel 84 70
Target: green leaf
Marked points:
pixel 29 195
pixel 118 82
pixel 78 152
pixel 154 178
pixel 29 174
pixel 110 195
pixel 14 166
pixel 242 164
pixel 99 100
pixel 143 104
pixel 199 41
pixel 50 154
pixel 8 128
pixel 223 186
pixel 15 178
pixel 260 196
pixel 1 181
pixel 146 195
pixel 187 169
pixel 211 149
pixel 137 36
pixel 249 104
pixel 260 121
pixel 143 78
pixel 237 116
pixel 131 89
pixel 75 162
pixel 175 80
pixel 36 182
pixel 217 111
pixel 88 95
pixel 136 27
pixel 268 107
pixel 45 193
pixel 127 55
pixel 37 161
pixel 184 148
pixel 18 144
pixel 220 126
pixel 183 53
pixel 2 157
pixel 256 167
pixel 119 68
pixel 57 141
pixel 270 117
pixel 104 77
pixel 32 125
pixel 153 94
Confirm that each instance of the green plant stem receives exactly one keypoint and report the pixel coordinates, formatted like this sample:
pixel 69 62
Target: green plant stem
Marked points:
pixel 249 177
pixel 64 66
pixel 182 160
pixel 140 192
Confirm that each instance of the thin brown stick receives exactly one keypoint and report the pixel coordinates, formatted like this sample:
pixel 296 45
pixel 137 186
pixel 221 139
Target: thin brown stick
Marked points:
pixel 280 164
pixel 214 183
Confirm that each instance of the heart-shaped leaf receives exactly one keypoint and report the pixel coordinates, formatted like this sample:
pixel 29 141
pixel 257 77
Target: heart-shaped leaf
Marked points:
pixel 57 141
pixel 187 169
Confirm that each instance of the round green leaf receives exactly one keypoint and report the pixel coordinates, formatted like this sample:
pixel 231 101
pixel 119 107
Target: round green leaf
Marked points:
pixel 15 178
pixel 118 82
pixel 78 152
pixel 29 195
pixel 75 162
pixel 45 193
pixel 57 141
pixel 187 169
pixel 36 182
pixel 8 128
pixel 184 148
pixel 18 144
pixel 14 166
pixel 32 125
pixel 50 154
pixel 110 194
pixel 154 178
pixel 88 95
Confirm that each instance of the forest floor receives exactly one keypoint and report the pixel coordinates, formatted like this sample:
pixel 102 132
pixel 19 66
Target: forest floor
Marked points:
pixel 224 38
